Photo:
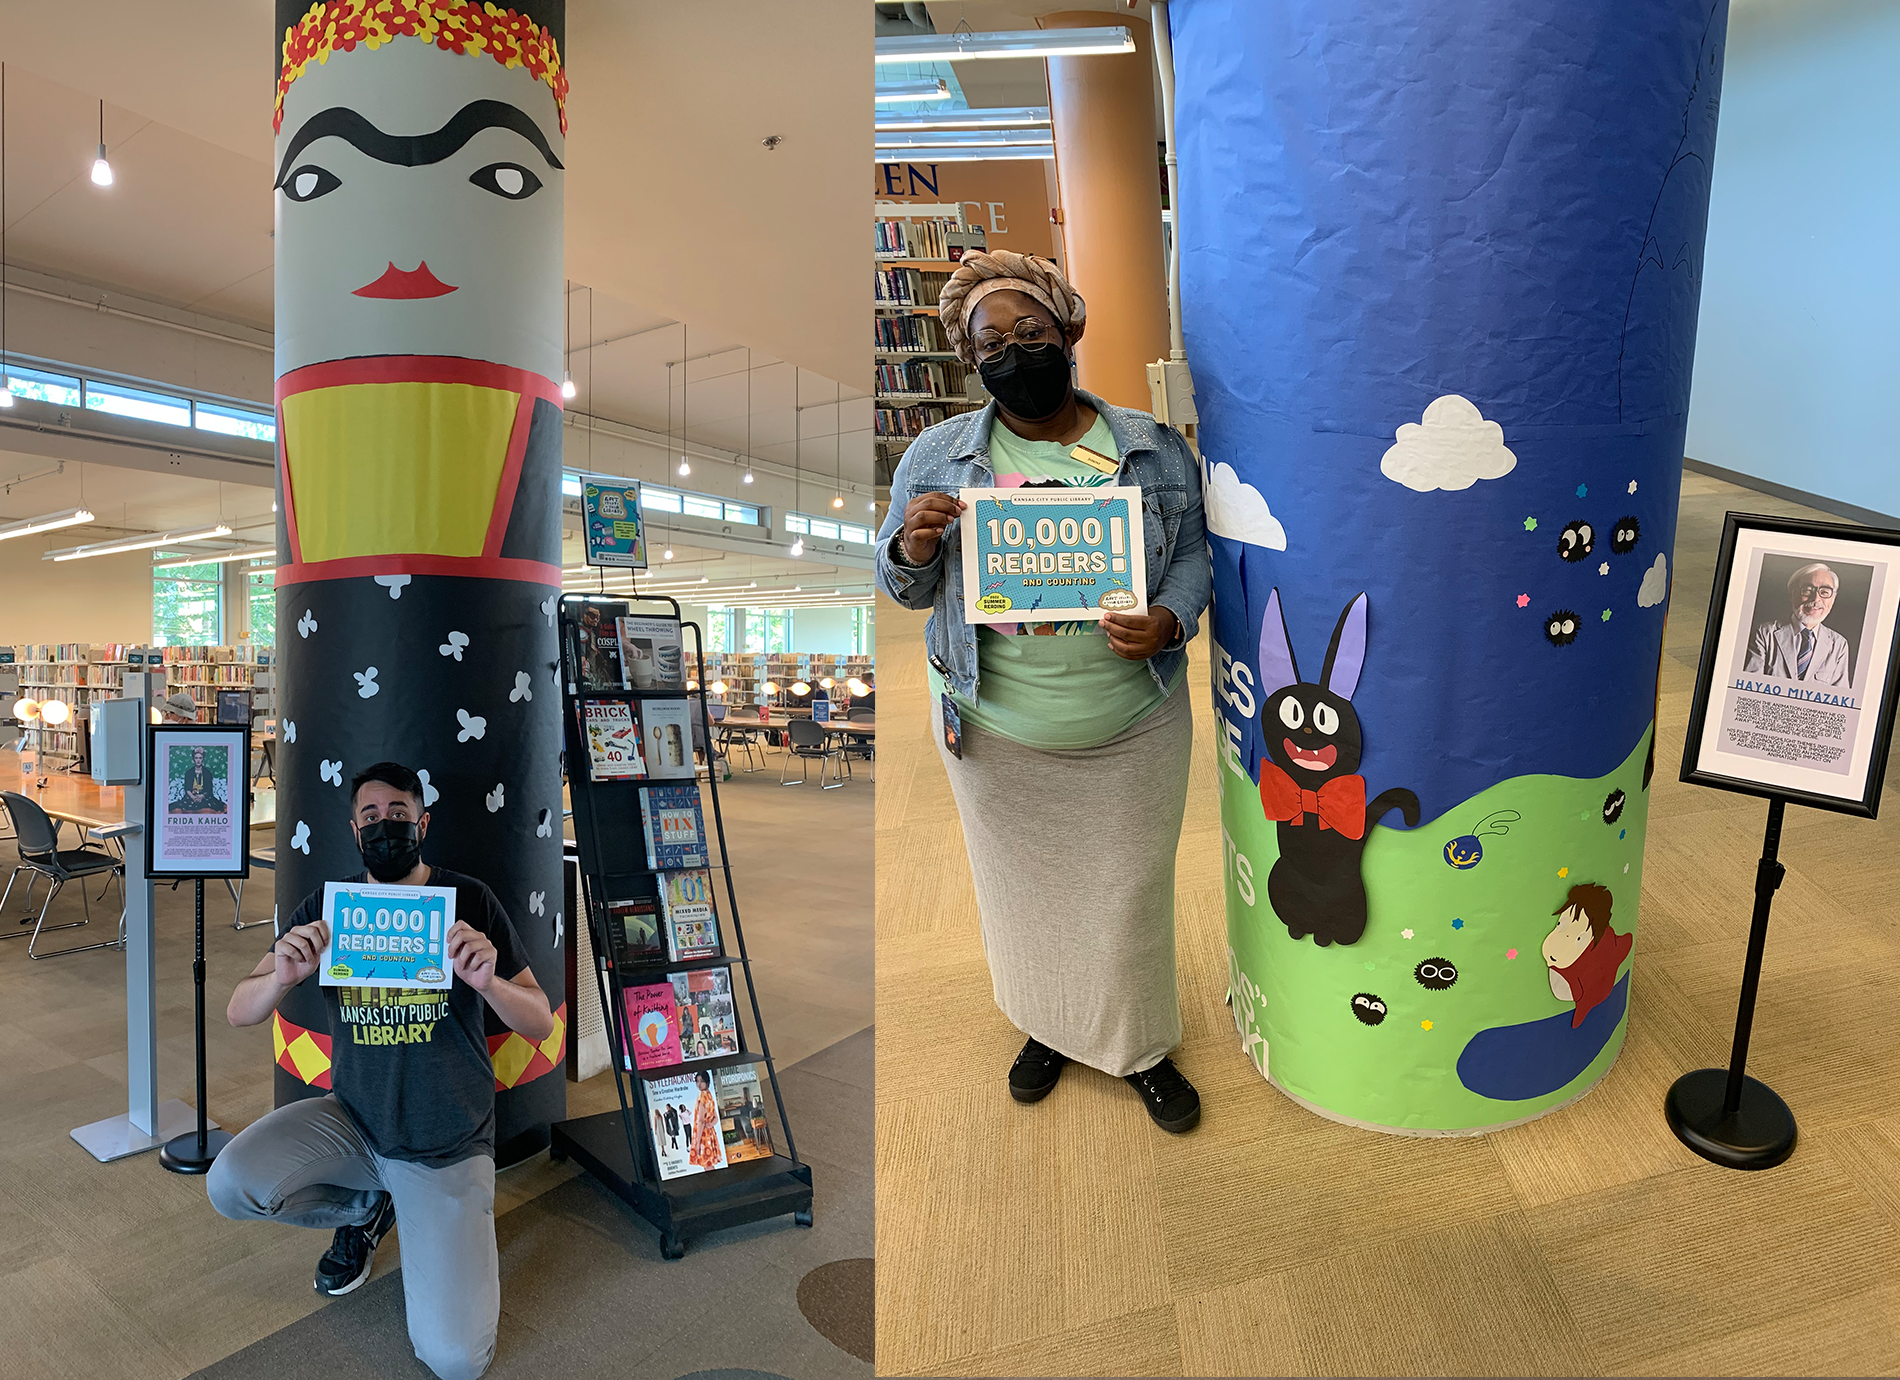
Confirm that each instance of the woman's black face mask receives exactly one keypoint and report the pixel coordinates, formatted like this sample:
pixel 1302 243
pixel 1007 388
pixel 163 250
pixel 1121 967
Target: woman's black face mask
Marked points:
pixel 1031 382
pixel 391 848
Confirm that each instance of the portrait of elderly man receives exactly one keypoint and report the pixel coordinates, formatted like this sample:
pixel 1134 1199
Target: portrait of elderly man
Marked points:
pixel 1801 646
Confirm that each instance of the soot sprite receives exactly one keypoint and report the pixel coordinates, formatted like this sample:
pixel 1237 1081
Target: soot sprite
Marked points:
pixel 1561 627
pixel 1613 807
pixel 1628 532
pixel 1436 974
pixel 1369 1009
pixel 1576 540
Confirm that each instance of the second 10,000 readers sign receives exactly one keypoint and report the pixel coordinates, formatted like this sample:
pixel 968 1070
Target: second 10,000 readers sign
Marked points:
pixel 1034 555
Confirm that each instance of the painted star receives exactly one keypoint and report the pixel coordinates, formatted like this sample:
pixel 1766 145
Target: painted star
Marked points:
pixel 1606 615
pixel 1604 569
pixel 1563 872
pixel 1424 1025
pixel 1632 486
pixel 1405 934
pixel 1530 524
pixel 1582 490
pixel 1510 953
pixel 1457 924
pixel 1523 601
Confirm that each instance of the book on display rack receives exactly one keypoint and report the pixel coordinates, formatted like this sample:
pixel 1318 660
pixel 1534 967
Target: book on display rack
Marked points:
pixel 674 975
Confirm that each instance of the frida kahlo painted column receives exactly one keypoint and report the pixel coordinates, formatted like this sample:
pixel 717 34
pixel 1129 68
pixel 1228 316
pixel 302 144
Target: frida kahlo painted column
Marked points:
pixel 1440 267
pixel 419 311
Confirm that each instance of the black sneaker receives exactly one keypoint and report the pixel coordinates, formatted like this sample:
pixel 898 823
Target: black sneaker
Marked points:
pixel 1035 1072
pixel 1170 1099
pixel 353 1250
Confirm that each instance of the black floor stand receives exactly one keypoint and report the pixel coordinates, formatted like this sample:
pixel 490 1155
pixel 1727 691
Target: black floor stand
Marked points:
pixel 193 1152
pixel 1722 1114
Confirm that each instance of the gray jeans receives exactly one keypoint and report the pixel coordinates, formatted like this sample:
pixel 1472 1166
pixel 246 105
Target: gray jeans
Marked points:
pixel 307 1165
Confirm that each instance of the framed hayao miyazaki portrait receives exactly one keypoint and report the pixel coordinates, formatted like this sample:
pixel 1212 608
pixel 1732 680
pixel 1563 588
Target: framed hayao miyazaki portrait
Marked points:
pixel 1795 694
pixel 198 801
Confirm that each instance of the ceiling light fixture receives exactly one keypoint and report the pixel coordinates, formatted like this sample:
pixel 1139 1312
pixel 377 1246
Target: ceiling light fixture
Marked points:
pixel 6 384
pixel 244 553
pixel 905 92
pixel 965 46
pixel 112 548
pixel 101 170
pixel 567 340
pixel 71 517
pixel 568 390
pixel 918 140
pixel 1013 117
pixel 999 154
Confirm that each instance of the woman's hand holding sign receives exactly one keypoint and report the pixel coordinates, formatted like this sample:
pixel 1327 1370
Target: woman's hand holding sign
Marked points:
pixel 1138 636
pixel 471 955
pixel 299 952
pixel 925 517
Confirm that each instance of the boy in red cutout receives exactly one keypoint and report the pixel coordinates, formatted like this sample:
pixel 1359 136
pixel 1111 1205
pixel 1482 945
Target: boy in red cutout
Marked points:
pixel 1583 952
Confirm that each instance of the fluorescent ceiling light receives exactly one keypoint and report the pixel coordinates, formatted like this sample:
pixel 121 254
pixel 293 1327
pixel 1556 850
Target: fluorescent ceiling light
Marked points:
pixel 1012 117
pixel 894 92
pixel 998 153
pixel 243 553
pixel 928 139
pixel 71 517
pixel 1015 43
pixel 110 548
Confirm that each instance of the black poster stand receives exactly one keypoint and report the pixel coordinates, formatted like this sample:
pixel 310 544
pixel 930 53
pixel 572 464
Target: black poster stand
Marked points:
pixel 193 1152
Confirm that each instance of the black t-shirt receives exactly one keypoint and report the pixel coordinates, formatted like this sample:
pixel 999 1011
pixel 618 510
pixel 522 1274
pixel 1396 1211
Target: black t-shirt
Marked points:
pixel 413 1067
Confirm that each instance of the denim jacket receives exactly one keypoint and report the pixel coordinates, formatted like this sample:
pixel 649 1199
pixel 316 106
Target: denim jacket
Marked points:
pixel 954 454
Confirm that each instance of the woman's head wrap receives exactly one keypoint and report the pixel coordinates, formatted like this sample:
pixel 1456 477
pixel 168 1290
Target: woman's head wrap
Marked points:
pixel 981 274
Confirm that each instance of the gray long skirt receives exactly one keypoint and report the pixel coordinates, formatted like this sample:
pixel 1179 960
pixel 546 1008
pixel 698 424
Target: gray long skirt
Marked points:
pixel 1072 853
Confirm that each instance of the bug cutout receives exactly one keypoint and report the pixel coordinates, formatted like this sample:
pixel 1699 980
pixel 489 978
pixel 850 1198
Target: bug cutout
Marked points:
pixel 1627 533
pixel 1309 784
pixel 1560 629
pixel 1576 541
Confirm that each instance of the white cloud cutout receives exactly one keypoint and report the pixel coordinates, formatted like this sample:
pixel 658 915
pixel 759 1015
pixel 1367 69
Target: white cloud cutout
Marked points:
pixel 1451 447
pixel 1238 511
pixel 1655 586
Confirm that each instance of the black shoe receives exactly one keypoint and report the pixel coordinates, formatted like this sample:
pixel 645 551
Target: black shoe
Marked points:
pixel 352 1251
pixel 1035 1072
pixel 1170 1099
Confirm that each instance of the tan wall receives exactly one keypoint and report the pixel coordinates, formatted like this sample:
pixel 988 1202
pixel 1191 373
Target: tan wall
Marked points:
pixel 104 599
pixel 1008 193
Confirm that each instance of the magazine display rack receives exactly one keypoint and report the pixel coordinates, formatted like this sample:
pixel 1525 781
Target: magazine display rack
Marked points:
pixel 679 1051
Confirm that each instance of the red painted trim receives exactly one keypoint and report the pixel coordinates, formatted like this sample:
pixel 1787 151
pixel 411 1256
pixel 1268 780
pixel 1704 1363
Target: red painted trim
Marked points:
pixel 336 373
pixel 404 284
pixel 420 563
pixel 510 478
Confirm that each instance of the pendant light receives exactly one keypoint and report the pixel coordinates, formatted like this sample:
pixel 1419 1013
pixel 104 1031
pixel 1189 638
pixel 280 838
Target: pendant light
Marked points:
pixel 746 478
pixel 798 457
pixel 686 379
pixel 101 170
pixel 837 475
pixel 567 341
pixel 6 384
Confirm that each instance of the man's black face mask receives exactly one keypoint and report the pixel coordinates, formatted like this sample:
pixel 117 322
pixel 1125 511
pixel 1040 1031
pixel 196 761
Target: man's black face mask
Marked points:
pixel 1030 381
pixel 391 848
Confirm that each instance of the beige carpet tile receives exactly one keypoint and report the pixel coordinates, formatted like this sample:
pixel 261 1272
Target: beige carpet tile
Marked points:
pixel 1240 1329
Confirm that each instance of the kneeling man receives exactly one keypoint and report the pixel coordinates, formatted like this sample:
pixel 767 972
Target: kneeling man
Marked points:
pixel 406 1136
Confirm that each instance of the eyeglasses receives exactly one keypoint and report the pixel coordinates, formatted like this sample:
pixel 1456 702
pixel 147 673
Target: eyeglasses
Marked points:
pixel 1030 331
pixel 1816 591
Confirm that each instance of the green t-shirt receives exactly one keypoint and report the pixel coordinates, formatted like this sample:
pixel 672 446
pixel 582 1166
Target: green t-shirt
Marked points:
pixel 1053 685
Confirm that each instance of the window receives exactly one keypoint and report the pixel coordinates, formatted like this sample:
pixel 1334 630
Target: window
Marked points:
pixel 860 627
pixel 828 528
pixel 719 620
pixel 742 512
pixel 58 389
pixel 697 506
pixel 798 522
pixel 121 401
pixel 768 630
pixel 665 500
pixel 850 531
pixel 234 421
pixel 262 588
pixel 570 485
pixel 823 527
pixel 188 606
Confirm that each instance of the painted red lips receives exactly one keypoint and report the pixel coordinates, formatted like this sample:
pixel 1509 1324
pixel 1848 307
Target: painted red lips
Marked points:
pixel 1312 760
pixel 404 284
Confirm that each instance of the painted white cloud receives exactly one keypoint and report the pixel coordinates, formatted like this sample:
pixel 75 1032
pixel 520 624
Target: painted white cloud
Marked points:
pixel 1451 447
pixel 1655 586
pixel 1238 511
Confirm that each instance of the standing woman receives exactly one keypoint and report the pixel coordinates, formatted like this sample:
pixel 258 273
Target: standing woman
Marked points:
pixel 1080 721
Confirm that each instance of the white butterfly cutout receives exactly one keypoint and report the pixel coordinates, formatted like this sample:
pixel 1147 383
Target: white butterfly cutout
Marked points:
pixel 521 691
pixel 495 799
pixel 429 793
pixel 547 607
pixel 537 903
pixel 473 725
pixel 332 771
pixel 560 929
pixel 290 730
pixel 458 641
pixel 393 583
pixel 307 624
pixel 300 839
pixel 545 828
pixel 366 682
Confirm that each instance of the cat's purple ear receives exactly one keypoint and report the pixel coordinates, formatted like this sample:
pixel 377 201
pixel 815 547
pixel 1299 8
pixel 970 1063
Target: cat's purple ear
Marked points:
pixel 1276 650
pixel 1346 656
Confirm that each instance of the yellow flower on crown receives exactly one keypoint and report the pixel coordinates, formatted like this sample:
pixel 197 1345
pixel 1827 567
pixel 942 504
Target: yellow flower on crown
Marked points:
pixel 457 26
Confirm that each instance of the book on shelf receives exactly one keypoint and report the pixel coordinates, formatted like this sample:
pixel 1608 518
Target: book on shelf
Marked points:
pixel 708 1024
pixel 637 922
pixel 651 656
pixel 593 652
pixel 667 726
pixel 692 923
pixel 743 1123
pixel 683 1121
pixel 653 1025
pixel 910 334
pixel 674 826
pixel 612 732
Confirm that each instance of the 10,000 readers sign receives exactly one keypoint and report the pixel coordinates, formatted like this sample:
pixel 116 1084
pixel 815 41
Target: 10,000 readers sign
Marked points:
pixel 1053 555
pixel 387 936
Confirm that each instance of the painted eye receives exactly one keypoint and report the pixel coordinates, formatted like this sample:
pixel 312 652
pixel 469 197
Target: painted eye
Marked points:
pixel 310 182
pixel 1570 625
pixel 509 180
pixel 1290 714
pixel 1325 718
pixel 1569 539
pixel 1589 536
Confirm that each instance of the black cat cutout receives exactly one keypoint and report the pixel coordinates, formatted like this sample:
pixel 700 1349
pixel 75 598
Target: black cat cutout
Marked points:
pixel 1310 787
